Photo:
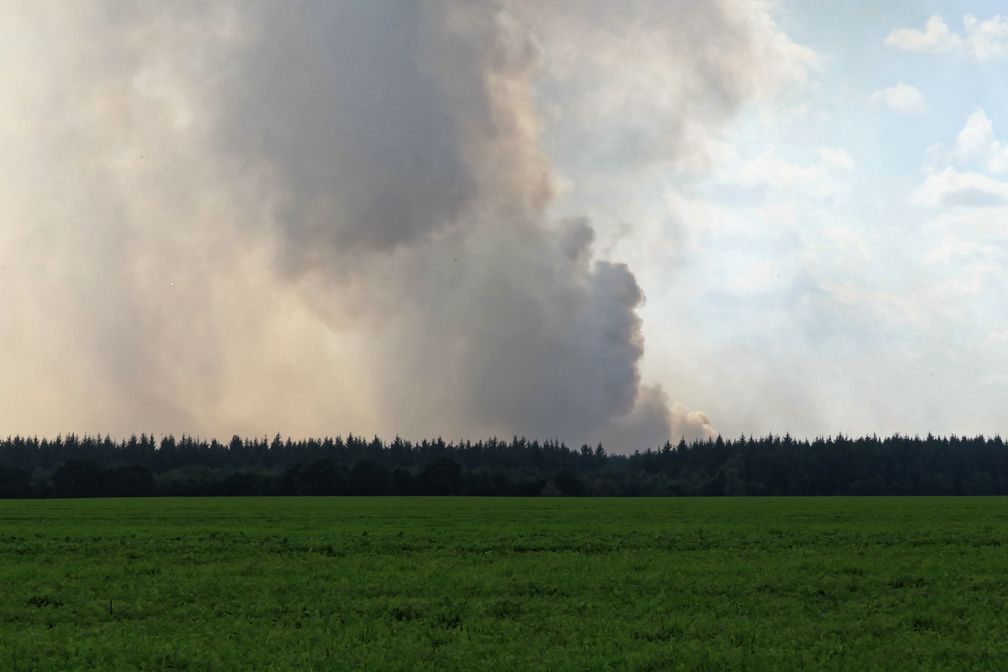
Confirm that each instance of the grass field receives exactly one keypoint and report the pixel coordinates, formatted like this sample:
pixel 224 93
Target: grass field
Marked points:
pixel 501 584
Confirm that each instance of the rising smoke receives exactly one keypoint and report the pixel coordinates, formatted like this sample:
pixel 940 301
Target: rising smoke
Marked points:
pixel 316 217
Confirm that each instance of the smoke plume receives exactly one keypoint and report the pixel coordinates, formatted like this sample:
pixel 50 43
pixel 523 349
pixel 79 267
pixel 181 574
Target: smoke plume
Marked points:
pixel 316 217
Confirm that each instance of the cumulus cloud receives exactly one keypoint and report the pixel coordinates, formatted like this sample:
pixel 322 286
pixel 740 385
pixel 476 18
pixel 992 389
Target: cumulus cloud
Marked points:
pixel 977 142
pixel 248 217
pixel 987 38
pixel 901 98
pixel 977 136
pixel 981 38
pixel 935 36
pixel 970 181
pixel 952 188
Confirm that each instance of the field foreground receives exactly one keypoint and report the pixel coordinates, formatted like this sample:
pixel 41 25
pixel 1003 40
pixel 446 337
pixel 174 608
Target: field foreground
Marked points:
pixel 499 584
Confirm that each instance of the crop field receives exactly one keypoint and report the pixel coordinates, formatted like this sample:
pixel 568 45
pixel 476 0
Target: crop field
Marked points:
pixel 502 584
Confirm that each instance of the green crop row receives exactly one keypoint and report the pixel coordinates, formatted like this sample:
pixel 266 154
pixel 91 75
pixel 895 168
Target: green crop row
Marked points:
pixel 502 584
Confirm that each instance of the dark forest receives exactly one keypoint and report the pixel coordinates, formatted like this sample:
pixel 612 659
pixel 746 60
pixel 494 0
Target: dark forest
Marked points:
pixel 90 466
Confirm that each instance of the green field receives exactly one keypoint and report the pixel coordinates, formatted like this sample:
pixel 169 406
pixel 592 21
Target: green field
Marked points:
pixel 501 584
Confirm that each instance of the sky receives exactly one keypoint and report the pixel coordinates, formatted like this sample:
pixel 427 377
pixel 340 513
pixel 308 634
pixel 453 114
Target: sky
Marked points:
pixel 581 220
pixel 842 271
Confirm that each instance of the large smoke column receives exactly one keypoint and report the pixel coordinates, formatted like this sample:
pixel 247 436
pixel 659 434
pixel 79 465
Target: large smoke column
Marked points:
pixel 309 218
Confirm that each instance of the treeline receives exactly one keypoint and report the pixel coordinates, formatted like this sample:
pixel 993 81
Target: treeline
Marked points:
pixel 91 466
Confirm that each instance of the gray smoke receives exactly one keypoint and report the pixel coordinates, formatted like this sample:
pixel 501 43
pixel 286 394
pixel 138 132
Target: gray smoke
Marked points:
pixel 315 217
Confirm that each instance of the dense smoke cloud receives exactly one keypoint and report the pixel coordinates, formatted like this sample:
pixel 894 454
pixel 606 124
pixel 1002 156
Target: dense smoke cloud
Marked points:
pixel 316 217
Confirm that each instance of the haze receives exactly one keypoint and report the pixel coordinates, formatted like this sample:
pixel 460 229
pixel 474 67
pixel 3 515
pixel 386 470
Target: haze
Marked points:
pixel 595 221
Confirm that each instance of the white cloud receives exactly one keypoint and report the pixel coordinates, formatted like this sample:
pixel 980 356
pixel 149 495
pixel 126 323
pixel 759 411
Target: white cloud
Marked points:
pixel 977 136
pixel 982 38
pixel 936 36
pixel 901 98
pixel 952 188
pixel 987 38
pixel 971 182
pixel 978 142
